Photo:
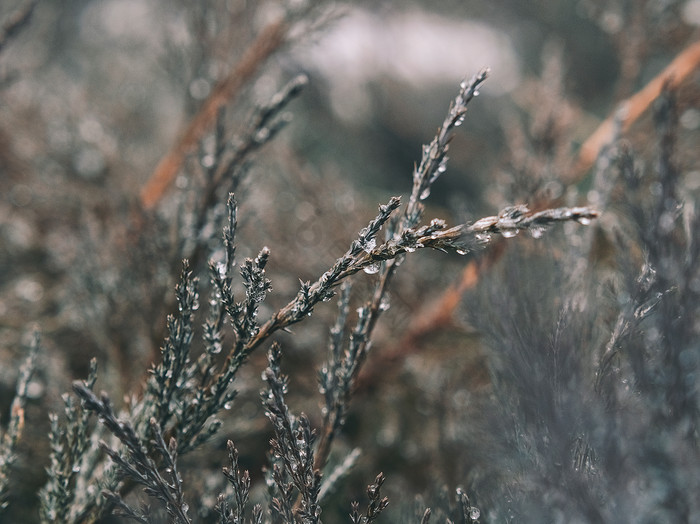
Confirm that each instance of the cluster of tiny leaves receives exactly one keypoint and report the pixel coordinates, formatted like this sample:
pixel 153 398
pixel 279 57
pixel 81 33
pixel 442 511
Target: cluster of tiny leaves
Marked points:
pixel 69 449
pixel 135 462
pixel 240 482
pixel 376 505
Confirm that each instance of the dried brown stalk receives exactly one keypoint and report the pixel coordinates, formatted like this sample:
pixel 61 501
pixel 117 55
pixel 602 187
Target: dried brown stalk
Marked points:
pixel 268 41
pixel 672 76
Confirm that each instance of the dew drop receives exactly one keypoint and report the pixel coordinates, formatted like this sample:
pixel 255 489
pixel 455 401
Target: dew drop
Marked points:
pixel 262 135
pixel 207 161
pixel 425 194
pixel 227 406
pixel 29 290
pixel 537 232
pixel 462 252
pixel 509 233
pixel 584 221
pixel 372 268
pixel 384 304
pixel 76 468
pixel 483 237
pixel 474 513
pixel 410 249
pixel 369 245
pixel 199 88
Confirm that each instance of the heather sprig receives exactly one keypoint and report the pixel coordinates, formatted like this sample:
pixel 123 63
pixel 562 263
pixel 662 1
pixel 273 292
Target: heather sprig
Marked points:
pixel 15 426
pixel 135 464
pixel 664 294
pixel 240 482
pixel 365 255
pixel 266 121
pixel 376 505
pixel 70 455
pixel 434 155
pixel 436 235
pixel 169 376
pixel 467 237
pixel 641 303
pixel 335 378
pixel 293 445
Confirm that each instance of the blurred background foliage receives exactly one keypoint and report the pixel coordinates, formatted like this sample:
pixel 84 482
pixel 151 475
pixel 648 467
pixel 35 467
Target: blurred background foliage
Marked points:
pixel 93 93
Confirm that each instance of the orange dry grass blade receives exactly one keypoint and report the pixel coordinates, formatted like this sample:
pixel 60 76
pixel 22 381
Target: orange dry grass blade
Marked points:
pixel 681 66
pixel 267 42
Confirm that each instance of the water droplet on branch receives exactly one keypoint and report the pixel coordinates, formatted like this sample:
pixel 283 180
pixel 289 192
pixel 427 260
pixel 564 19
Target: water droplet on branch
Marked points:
pixel 384 304
pixel 372 268
pixel 537 232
